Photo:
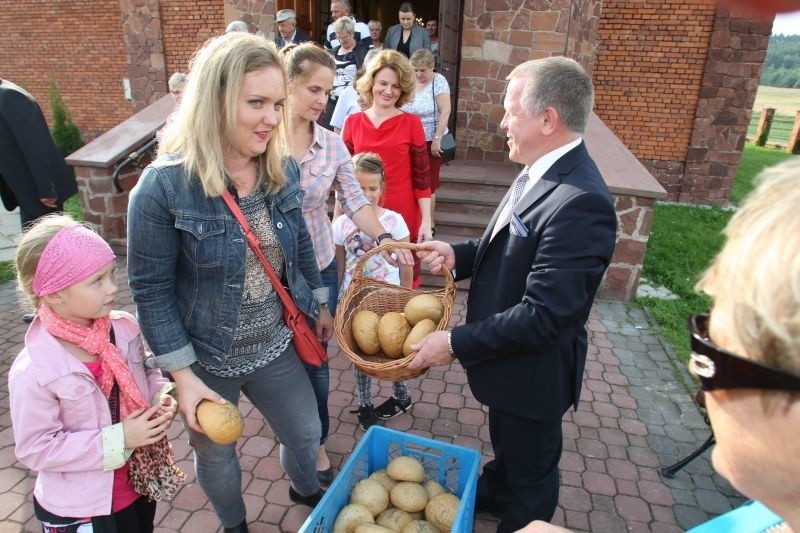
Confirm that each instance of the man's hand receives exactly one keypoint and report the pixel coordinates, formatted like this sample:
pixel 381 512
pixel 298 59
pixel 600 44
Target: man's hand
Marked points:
pixel 52 203
pixel 434 254
pixel 191 391
pixel 431 351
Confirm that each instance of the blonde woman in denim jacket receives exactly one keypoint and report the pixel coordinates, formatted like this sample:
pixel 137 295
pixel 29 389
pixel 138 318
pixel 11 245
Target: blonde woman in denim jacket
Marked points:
pixel 206 307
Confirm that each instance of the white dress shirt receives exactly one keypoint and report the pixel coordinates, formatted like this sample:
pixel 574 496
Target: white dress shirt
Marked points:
pixel 535 171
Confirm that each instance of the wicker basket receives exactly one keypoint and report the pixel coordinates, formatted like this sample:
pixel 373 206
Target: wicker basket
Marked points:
pixel 381 297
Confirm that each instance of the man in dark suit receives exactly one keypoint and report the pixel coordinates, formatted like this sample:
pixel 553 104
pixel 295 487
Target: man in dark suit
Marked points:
pixel 534 275
pixel 33 174
pixel 287 29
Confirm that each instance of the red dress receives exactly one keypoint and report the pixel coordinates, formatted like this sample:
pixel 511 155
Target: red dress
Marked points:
pixel 400 141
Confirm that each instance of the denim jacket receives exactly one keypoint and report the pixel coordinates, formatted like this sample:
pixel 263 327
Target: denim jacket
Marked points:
pixel 186 263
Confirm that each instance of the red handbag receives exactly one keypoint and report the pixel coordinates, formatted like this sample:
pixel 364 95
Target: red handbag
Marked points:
pixel 305 341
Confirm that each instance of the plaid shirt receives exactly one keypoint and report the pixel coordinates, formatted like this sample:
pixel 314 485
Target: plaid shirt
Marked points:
pixel 327 162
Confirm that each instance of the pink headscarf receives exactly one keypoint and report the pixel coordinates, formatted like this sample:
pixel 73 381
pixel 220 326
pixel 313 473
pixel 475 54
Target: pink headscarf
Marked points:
pixel 71 256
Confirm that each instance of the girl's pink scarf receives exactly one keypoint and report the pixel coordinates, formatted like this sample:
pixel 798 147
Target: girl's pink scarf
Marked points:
pixel 152 468
pixel 96 340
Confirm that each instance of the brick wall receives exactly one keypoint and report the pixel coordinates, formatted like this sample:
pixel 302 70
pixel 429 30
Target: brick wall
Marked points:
pixel 185 25
pixel 648 72
pixel 81 49
pixel 676 82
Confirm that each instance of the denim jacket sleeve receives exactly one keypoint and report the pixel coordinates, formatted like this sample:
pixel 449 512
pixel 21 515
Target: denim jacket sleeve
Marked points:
pixel 153 248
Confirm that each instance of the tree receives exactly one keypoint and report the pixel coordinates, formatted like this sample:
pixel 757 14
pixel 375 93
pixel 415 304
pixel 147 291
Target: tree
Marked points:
pixel 66 134
pixel 782 63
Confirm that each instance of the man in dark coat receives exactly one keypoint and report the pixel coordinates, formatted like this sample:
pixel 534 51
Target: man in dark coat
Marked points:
pixel 33 174
pixel 534 275
pixel 287 29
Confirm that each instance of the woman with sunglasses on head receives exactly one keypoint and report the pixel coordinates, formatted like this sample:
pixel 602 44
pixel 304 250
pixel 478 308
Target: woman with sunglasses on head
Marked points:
pixel 746 354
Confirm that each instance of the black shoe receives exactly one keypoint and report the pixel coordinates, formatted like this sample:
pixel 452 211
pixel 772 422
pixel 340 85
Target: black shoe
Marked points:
pixel 241 528
pixel 392 407
pixel 366 416
pixel 28 318
pixel 311 501
pixel 325 476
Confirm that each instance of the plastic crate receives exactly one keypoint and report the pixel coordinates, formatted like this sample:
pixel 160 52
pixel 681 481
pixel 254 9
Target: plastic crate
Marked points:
pixel 455 467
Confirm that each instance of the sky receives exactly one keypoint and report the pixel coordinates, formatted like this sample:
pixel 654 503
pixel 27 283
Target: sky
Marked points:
pixel 787 23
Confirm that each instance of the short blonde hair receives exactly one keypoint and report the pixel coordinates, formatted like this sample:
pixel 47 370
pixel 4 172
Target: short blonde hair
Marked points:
pixel 344 25
pixel 395 61
pixel 423 58
pixel 206 118
pixel 758 270
pixel 30 248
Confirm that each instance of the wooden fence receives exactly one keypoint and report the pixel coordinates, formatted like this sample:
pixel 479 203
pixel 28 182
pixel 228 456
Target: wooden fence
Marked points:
pixel 779 130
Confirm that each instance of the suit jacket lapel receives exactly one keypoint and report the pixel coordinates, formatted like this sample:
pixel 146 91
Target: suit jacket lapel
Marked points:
pixel 543 185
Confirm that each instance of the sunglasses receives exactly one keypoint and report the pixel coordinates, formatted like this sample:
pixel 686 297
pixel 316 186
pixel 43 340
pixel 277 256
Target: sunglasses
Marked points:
pixel 720 369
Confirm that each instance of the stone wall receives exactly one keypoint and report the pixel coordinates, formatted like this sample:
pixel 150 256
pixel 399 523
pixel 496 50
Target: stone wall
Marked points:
pixel 498 35
pixel 730 81
pixel 144 51
pixel 634 216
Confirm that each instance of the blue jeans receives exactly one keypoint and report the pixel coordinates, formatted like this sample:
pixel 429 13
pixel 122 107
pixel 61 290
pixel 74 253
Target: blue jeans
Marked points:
pixel 321 377
pixel 282 393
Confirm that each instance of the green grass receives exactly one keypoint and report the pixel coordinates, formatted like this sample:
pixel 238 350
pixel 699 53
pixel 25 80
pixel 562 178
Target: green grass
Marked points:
pixel 73 207
pixel 683 241
pixel 754 160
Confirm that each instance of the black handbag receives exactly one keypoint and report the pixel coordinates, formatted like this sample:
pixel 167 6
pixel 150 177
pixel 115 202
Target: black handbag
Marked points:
pixel 448 142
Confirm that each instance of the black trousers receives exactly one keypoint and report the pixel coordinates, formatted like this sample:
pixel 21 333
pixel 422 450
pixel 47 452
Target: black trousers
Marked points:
pixel 136 518
pixel 523 478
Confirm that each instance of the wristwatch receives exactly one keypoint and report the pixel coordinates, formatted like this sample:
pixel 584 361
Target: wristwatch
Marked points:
pixel 382 236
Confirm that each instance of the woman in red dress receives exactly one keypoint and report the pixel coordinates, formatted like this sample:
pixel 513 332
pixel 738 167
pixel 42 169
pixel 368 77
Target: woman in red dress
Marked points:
pixel 398 138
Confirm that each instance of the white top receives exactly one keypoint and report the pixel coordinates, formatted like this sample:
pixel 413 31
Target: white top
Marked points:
pixel 346 105
pixel 357 243
pixel 422 104
pixel 535 171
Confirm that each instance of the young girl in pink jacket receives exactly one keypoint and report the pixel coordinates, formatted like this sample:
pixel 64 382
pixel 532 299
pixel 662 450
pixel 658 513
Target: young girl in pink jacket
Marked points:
pixel 80 393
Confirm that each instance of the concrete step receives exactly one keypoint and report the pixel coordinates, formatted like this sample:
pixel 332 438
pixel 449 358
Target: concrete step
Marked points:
pixel 479 172
pixel 460 224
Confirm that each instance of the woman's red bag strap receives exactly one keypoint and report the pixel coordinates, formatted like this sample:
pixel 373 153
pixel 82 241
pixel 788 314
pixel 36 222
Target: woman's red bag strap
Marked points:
pixel 305 342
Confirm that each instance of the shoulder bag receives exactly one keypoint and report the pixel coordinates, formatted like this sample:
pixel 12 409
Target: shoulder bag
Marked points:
pixel 448 142
pixel 305 341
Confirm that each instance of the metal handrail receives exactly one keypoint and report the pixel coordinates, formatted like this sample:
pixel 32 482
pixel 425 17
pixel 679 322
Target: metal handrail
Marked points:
pixel 132 158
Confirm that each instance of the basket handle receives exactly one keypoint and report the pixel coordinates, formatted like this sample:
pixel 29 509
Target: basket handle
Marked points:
pixel 358 272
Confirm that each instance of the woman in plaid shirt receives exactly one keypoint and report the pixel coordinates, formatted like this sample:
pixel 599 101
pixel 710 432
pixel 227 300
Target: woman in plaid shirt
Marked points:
pixel 324 162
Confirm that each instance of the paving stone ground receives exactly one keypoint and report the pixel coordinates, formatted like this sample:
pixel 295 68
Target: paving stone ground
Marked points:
pixel 635 415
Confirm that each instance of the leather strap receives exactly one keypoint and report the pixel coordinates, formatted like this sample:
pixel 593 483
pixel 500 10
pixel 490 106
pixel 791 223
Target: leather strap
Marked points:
pixel 255 244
